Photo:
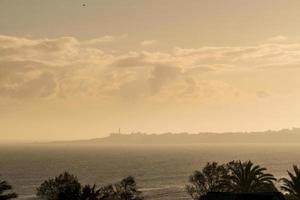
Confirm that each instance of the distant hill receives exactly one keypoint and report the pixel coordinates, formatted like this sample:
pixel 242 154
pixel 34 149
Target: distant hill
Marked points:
pixel 282 136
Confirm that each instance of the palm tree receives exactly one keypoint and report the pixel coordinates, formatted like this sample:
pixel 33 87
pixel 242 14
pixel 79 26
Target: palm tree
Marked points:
pixel 247 177
pixel 4 195
pixel 292 185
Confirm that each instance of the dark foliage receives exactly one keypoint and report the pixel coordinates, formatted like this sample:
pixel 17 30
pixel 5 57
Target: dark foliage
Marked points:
pixel 90 193
pixel 291 185
pixel 5 192
pixel 243 196
pixel 63 187
pixel 209 179
pixel 124 190
pixel 247 177
pixel 67 187
pixel 235 176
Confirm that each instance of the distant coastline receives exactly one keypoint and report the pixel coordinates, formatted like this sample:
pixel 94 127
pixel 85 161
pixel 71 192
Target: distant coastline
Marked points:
pixel 281 136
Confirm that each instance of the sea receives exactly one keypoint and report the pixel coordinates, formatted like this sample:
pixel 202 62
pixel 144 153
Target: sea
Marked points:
pixel 161 171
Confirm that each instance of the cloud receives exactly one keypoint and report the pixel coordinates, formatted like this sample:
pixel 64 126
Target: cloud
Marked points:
pixel 104 39
pixel 41 86
pixel 277 39
pixel 133 59
pixel 247 57
pixel 66 67
pixel 54 50
pixel 162 74
pixel 148 42
pixel 262 94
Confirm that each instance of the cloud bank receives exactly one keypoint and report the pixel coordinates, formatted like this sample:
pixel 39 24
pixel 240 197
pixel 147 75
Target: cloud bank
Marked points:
pixel 67 67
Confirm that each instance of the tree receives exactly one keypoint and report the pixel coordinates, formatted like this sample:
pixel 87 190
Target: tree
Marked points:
pixel 108 193
pixel 126 189
pixel 67 187
pixel 90 193
pixel 5 193
pixel 291 185
pixel 247 177
pixel 209 179
pixel 63 187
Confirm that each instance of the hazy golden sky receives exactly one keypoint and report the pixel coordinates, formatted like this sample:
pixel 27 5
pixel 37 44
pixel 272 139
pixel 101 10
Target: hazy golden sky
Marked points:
pixel 69 71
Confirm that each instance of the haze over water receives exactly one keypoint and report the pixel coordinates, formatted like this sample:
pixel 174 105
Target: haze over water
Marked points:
pixel 161 170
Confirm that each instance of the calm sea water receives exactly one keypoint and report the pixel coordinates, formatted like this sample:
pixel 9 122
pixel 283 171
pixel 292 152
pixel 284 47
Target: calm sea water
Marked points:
pixel 161 171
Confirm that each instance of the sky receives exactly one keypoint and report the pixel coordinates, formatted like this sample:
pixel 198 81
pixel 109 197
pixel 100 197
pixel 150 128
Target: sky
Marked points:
pixel 69 71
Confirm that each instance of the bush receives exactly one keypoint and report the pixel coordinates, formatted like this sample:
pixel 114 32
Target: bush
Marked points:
pixel 63 187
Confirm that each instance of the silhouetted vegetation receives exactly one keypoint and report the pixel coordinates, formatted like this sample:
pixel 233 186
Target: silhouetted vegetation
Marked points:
pixel 127 189
pixel 124 190
pixel 5 191
pixel 90 193
pixel 291 185
pixel 63 187
pixel 67 187
pixel 235 176
pixel 243 196
pixel 247 177
pixel 209 179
